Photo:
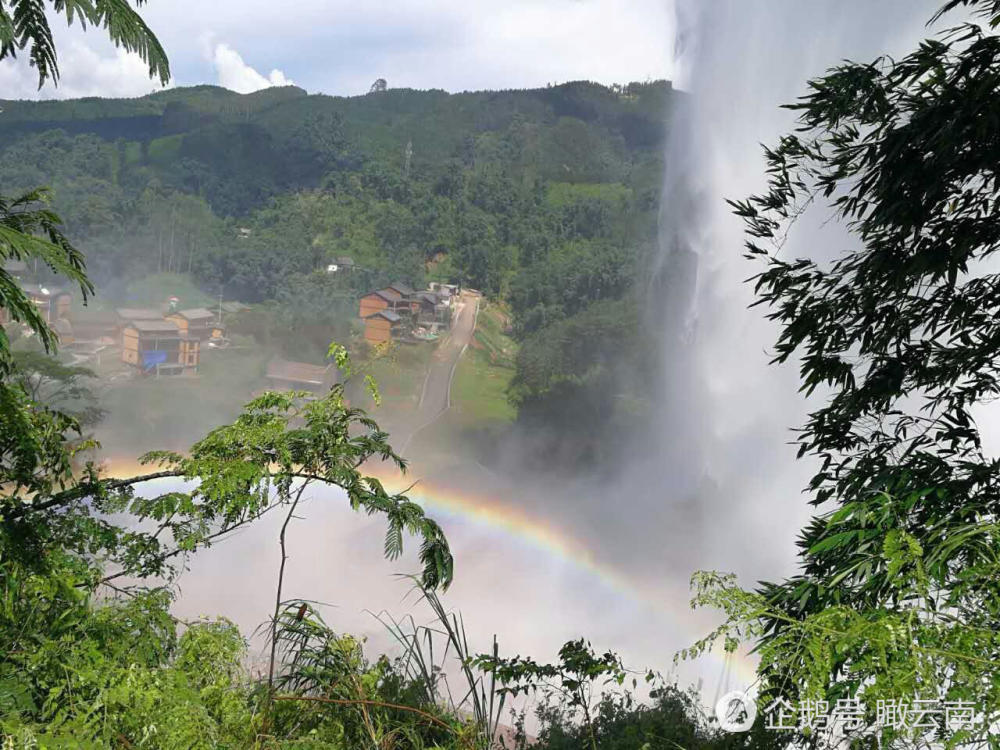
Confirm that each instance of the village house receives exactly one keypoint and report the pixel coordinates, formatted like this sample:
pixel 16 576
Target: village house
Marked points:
pixel 198 323
pixel 403 290
pixel 387 311
pixel 382 326
pixel 446 293
pixel 382 299
pixel 102 326
pixel 342 263
pixel 129 315
pixel 53 303
pixel 160 348
pixel 234 308
pixel 424 305
pixel 286 375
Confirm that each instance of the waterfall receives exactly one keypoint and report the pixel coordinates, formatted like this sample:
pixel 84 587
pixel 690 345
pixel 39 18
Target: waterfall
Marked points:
pixel 723 481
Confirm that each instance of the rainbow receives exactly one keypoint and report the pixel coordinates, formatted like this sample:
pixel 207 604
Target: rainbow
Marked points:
pixel 493 514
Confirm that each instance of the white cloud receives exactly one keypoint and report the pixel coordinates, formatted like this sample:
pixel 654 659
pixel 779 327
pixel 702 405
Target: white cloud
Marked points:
pixel 234 74
pixel 341 46
pixel 84 71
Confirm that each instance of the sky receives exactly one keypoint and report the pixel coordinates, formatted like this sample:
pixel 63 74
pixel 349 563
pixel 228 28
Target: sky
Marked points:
pixel 340 47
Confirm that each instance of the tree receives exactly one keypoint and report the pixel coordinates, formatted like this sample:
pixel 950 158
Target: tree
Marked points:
pixel 573 679
pixel 24 24
pixel 899 594
pixel 61 537
pixel 62 387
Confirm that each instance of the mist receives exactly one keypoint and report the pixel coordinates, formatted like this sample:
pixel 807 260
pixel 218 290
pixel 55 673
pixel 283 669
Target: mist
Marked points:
pixel 714 483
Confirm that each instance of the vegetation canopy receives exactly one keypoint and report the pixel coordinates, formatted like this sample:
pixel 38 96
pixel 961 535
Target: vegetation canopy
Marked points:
pixel 898 594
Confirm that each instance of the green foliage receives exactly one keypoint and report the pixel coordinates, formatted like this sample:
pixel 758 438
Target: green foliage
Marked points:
pixel 669 720
pixel 67 389
pixel 572 680
pixel 586 377
pixel 546 199
pixel 24 24
pixel 898 596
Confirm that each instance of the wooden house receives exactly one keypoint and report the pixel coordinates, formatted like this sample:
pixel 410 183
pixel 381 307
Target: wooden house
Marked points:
pixel 381 299
pixel 198 323
pixel 404 290
pixel 128 315
pixel 425 304
pixel 158 347
pixel 381 326
pixel 90 324
pixel 53 303
pixel 286 375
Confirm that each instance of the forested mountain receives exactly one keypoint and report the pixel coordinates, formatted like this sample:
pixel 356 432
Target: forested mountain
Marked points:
pixel 546 199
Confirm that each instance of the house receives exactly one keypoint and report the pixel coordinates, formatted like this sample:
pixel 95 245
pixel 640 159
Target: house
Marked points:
pixel 198 323
pixel 426 302
pixel 342 263
pixel 380 326
pixel 53 303
pixel 381 299
pixel 159 347
pixel 233 308
pixel 128 315
pixel 446 292
pixel 90 324
pixel 402 289
pixel 286 375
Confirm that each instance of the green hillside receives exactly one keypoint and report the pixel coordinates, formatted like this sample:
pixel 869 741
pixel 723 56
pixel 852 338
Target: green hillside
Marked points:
pixel 546 199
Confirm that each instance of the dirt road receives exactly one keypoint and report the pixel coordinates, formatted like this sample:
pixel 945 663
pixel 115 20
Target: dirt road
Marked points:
pixel 435 397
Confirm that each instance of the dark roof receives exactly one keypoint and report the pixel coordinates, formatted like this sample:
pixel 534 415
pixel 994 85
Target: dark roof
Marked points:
pixel 402 288
pixel 154 326
pixel 195 313
pixel 139 313
pixel 95 316
pixel 431 297
pixel 388 294
pixel 298 372
pixel 344 261
pixel 387 314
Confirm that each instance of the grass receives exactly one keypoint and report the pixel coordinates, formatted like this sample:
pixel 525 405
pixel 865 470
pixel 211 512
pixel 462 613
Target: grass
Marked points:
pixel 147 413
pixel 479 391
pixel 400 376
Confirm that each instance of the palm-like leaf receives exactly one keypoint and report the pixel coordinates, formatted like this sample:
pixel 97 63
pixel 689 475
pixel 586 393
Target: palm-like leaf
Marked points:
pixel 30 231
pixel 24 25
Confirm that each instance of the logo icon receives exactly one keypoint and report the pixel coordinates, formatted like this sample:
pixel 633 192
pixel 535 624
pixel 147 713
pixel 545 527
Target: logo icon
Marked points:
pixel 736 711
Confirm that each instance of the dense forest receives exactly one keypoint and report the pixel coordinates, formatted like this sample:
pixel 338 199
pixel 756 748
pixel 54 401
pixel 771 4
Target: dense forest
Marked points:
pixel 546 200
pixel 888 634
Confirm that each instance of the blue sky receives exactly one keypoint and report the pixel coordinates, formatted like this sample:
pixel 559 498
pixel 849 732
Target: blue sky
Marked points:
pixel 340 47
